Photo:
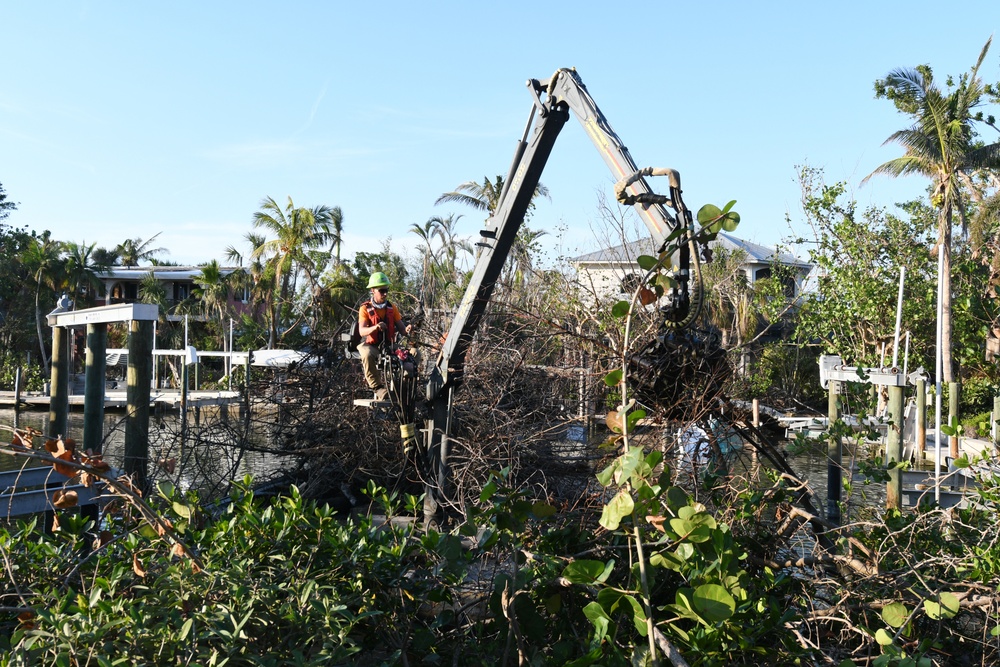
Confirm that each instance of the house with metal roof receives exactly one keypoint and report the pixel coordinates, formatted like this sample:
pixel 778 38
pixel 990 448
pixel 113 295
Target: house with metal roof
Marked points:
pixel 121 284
pixel 614 272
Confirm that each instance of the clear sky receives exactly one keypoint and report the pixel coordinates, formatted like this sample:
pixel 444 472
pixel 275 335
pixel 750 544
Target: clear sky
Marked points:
pixel 128 119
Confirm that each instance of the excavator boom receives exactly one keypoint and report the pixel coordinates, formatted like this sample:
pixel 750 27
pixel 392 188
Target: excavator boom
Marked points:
pixel 667 219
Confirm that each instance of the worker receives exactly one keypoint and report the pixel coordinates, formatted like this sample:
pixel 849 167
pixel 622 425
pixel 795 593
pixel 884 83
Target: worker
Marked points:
pixel 379 322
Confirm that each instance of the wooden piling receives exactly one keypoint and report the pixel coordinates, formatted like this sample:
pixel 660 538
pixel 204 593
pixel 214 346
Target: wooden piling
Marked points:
pixel 835 452
pixel 894 449
pixel 59 391
pixel 139 377
pixel 93 395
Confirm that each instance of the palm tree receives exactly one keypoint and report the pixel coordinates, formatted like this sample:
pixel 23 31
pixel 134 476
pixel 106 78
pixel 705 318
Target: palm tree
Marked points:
pixel 297 231
pixel 939 145
pixel 485 196
pixel 337 225
pixel 213 290
pixel 83 270
pixel 425 233
pixel 133 251
pixel 44 259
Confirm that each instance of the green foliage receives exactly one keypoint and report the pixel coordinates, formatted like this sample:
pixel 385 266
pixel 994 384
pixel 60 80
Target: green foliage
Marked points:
pixel 859 256
pixel 289 581
pixel 32 377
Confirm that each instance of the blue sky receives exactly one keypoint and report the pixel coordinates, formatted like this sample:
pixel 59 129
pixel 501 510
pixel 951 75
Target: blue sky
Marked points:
pixel 124 119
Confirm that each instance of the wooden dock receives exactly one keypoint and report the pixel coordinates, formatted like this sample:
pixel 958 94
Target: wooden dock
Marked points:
pixel 169 399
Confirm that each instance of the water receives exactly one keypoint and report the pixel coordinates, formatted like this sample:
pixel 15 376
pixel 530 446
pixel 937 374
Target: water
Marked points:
pixel 207 459
pixel 812 466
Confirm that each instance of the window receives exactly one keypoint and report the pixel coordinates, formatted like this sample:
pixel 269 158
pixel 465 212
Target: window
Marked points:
pixel 630 283
pixel 784 277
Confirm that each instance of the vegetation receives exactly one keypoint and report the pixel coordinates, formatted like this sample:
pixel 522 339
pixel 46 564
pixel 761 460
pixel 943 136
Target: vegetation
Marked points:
pixel 629 548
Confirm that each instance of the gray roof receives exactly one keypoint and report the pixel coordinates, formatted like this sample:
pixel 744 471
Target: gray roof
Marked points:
pixel 626 253
pixel 160 271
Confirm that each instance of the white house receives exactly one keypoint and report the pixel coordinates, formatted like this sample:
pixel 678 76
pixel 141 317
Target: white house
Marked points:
pixel 613 272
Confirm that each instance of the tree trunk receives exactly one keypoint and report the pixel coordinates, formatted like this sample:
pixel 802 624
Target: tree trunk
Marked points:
pixel 944 237
pixel 38 327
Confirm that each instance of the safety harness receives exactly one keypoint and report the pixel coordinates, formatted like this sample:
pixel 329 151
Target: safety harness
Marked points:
pixel 374 318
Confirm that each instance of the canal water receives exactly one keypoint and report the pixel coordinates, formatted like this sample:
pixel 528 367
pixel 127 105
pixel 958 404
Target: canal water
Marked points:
pixel 207 459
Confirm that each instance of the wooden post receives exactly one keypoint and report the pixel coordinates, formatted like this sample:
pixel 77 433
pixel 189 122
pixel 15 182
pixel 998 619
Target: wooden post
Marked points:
pixel 954 393
pixel 93 393
pixel 139 378
pixel 920 420
pixel 834 452
pixel 59 393
pixel 894 449
pixel 17 398
pixel 756 413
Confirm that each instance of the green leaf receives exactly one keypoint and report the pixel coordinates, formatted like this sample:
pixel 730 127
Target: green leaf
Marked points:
pixel 895 614
pixel 488 491
pixel 665 282
pixel 185 629
pixel 731 221
pixel 946 606
pixel 633 418
pixel 962 461
pixel 883 637
pixel 708 213
pixel 676 498
pixel 148 531
pixel 585 571
pixel 638 615
pixel 182 509
pixel 614 378
pixel 542 510
pixel 620 309
pixel 667 560
pixel 646 262
pixel 713 602
pixel 606 475
pixel 599 619
pixel 166 490
pixel 620 507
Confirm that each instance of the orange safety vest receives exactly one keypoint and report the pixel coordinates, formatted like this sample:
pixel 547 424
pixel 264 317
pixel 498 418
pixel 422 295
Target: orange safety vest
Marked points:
pixel 373 318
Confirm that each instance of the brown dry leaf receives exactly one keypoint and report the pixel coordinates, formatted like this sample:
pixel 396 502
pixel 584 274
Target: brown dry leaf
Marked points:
pixel 52 446
pixel 87 479
pixel 65 499
pixel 162 525
pixel 55 523
pixel 647 296
pixel 177 550
pixel 103 538
pixel 69 444
pixel 168 465
pixel 27 619
pixel 614 421
pixel 62 468
pixel 137 566
pixel 657 522
pixel 194 567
